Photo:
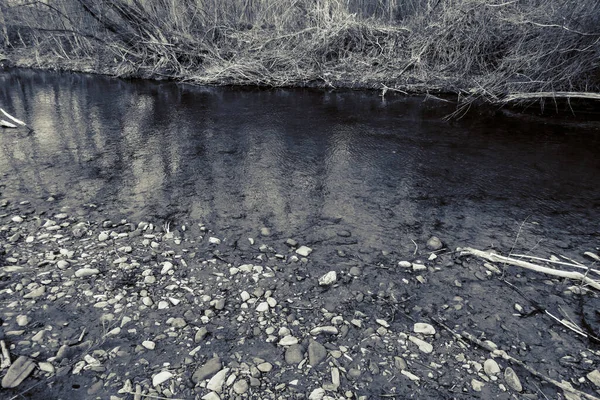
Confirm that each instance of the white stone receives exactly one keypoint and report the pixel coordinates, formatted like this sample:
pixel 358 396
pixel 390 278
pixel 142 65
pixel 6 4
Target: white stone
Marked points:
pixel 214 240
pixel 17 219
pixel 46 367
pixel 245 296
pixel 83 272
pixel 410 375
pixel 162 305
pixel 174 301
pixel 288 340
pixel 594 377
pixel 211 396
pixel 103 236
pixel 491 367
pixel 330 330
pixel 149 344
pixel 216 382
pixel 317 394
pixel 382 322
pixel 304 251
pixel 23 320
pixel 404 264
pixel 423 345
pixel 262 307
pixel 272 302
pixel 422 327
pixel 328 279
pixel 161 377
pixel 167 266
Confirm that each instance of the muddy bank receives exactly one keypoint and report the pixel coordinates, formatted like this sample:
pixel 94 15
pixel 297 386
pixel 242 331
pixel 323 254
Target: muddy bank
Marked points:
pixel 127 309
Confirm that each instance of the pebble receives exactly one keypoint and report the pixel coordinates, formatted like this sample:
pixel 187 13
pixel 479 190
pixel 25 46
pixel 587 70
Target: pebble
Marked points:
pixel 317 394
pixel 214 240
pixel 288 340
pixel 161 377
pixel 83 272
pixel 200 334
pixel 424 328
pixel 211 396
pixel 328 279
pixel 178 323
pixel 382 322
pixel 265 367
pixel 434 243
pixel 477 385
pixel 405 264
pixel 304 251
pixel 17 219
pixel 35 293
pixel 330 330
pixel 103 236
pixel 23 320
pixel 262 307
pixel 491 367
pixel 149 344
pixel 512 380
pixel 410 375
pixel 264 231
pixel 240 386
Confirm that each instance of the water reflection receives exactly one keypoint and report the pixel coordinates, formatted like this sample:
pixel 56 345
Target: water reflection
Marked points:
pixel 301 162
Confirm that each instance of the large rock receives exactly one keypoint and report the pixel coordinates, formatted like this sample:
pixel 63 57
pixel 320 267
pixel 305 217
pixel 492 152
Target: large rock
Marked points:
pixel 208 370
pixel 434 243
pixel 18 371
pixel 512 380
pixel 294 354
pixel 316 353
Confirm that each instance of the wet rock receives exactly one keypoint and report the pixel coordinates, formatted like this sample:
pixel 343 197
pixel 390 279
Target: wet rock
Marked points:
pixel 512 380
pixel 304 251
pixel 265 367
pixel 434 243
pixel 294 354
pixel 206 371
pixel 149 344
pixel 328 279
pixel 20 369
pixel 316 353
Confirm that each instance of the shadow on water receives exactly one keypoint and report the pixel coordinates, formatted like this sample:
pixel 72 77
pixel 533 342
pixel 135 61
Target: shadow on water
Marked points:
pixel 305 163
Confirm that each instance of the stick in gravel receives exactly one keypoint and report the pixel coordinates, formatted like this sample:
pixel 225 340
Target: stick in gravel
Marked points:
pixel 467 336
pixel 527 265
pixel 5 356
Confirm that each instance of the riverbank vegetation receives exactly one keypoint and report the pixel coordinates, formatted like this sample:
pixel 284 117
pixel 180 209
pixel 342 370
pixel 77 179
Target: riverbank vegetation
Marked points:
pixel 476 48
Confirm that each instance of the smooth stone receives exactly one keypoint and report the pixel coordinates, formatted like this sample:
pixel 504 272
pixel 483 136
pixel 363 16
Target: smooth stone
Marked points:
pixel 17 219
pixel 330 330
pixel 216 382
pixel 512 380
pixel 265 367
pixel 405 264
pixel 211 396
pixel 434 243
pixel 303 251
pixel 149 344
pixel 264 231
pixel 35 293
pixel 317 394
pixel 355 271
pixel 214 240
pixel 594 377
pixel 262 307
pixel 288 340
pixel 294 354
pixel 316 353
pixel 62 264
pixel 178 323
pixel 200 334
pixel 23 320
pixel 206 371
pixel 382 322
pixel 477 385
pixel 240 386
pixel 328 279
pixel 46 367
pixel 19 370
pixel 83 272
pixel 161 377
pixel 423 345
pixel 491 367
pixel 426 329
pixel 103 236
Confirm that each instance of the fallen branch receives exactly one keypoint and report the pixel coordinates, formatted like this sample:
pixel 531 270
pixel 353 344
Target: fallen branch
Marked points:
pixel 15 120
pixel 497 352
pixel 540 95
pixel 557 262
pixel 6 124
pixel 527 265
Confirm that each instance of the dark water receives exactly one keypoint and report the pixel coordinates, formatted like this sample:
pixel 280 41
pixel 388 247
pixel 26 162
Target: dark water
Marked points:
pixel 307 164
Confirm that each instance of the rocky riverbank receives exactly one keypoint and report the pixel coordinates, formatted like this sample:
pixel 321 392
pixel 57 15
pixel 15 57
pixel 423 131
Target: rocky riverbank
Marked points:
pixel 93 308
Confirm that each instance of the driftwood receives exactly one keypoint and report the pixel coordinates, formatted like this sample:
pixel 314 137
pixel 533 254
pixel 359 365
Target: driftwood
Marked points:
pixel 540 95
pixel 527 265
pixel 466 336
pixel 7 124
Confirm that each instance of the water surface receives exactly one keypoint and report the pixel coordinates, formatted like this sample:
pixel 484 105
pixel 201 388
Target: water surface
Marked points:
pixel 307 164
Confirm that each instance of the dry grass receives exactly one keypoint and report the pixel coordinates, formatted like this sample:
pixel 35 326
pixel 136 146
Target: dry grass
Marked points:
pixel 473 47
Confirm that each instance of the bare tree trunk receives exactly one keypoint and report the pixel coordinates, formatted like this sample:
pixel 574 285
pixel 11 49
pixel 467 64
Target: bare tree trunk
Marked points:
pixel 4 42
